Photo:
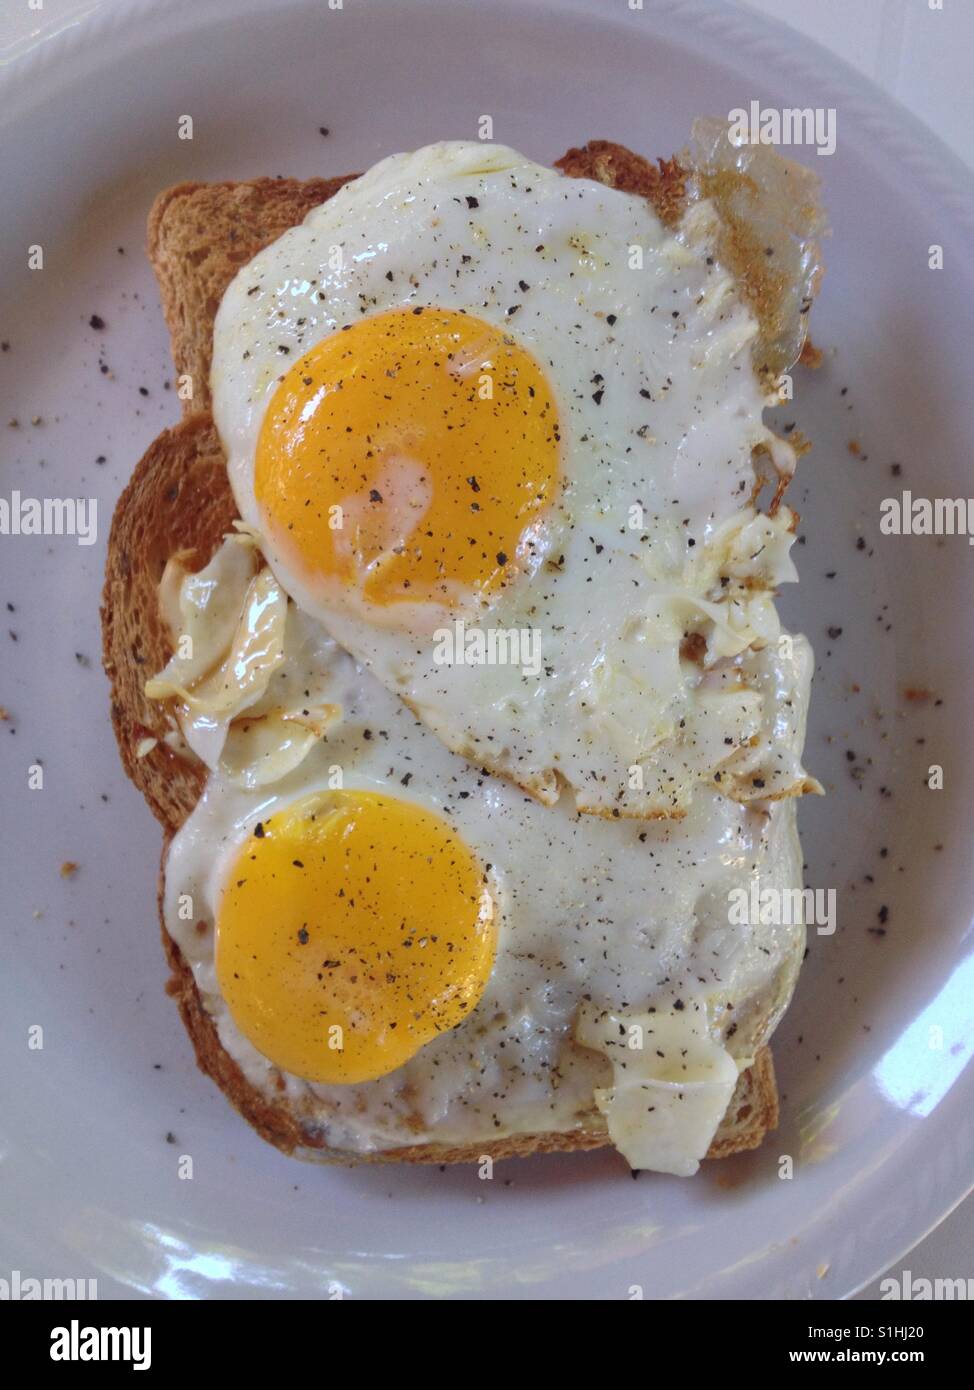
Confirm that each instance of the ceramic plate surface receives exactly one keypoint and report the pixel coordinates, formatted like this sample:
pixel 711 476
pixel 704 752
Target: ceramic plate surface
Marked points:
pixel 874 1057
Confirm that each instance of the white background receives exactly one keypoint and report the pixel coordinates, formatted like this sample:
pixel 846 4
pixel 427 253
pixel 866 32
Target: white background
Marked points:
pixel 921 56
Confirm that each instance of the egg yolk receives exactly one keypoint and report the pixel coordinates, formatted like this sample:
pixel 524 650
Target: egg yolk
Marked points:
pixel 352 928
pixel 407 457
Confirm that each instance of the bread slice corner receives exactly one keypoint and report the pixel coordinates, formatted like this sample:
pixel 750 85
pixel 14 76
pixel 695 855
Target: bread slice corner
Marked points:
pixel 198 237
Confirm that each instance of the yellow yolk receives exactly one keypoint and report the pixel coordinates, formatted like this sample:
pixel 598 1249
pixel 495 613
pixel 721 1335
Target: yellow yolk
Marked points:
pixel 408 456
pixel 352 929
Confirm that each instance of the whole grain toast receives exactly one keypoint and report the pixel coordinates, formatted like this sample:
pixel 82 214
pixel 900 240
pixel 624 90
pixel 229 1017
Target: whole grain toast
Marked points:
pixel 178 499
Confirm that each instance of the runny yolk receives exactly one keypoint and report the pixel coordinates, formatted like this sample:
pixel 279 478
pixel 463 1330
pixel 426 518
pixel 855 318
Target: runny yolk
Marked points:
pixel 353 928
pixel 408 458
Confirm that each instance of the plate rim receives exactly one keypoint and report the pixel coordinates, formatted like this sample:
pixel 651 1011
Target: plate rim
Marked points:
pixel 929 160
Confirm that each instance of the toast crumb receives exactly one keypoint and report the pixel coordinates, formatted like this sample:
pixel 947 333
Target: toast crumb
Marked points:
pixel 810 355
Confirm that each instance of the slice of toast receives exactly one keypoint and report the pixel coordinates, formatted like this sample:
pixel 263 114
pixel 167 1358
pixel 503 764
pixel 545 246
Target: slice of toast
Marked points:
pixel 178 499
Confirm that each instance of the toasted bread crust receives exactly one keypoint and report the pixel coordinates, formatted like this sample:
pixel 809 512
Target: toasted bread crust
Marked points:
pixel 663 183
pixel 179 499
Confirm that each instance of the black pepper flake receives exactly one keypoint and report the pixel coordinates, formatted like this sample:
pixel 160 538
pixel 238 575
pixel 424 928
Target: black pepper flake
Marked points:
pixel 834 632
pixel 597 395
pixel 405 781
pixel 96 322
pixel 375 495
pixel 303 936
pixel 501 557
pixel 610 319
pixel 259 831
pixel 472 202
pixel 323 130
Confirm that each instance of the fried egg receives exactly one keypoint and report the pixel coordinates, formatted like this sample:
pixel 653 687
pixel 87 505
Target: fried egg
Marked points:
pixel 356 917
pixel 405 948
pixel 495 430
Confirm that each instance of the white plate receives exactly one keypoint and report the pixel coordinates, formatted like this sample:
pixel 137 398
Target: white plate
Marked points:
pixel 878 1121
